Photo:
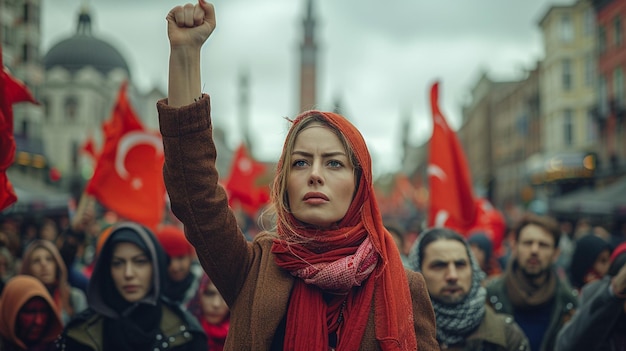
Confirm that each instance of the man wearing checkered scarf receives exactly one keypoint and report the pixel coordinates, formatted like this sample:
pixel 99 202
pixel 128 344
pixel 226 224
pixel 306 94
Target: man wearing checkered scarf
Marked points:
pixel 454 280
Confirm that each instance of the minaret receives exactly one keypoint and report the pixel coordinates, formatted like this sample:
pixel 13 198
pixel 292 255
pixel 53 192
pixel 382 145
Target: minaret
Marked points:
pixel 405 127
pixel 244 108
pixel 308 61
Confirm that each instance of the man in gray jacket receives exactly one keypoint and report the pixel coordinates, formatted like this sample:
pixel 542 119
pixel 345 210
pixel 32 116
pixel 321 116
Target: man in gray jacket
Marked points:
pixel 454 281
pixel 530 289
pixel 600 322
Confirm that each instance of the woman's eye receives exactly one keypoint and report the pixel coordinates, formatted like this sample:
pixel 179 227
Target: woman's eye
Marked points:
pixel 299 163
pixel 142 261
pixel 335 164
pixel 116 263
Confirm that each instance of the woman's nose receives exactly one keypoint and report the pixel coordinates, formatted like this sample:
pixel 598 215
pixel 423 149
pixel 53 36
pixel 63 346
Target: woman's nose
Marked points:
pixel 128 270
pixel 315 180
pixel 316 175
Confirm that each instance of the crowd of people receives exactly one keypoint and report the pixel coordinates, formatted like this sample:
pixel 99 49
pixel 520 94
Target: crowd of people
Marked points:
pixel 145 290
pixel 328 274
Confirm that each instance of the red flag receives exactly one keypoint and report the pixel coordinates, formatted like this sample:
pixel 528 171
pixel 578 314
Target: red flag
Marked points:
pixel 89 148
pixel 11 91
pixel 242 184
pixel 451 199
pixel 128 175
pixel 489 221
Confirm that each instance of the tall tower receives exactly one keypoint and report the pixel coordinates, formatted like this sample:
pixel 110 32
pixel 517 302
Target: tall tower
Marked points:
pixel 244 108
pixel 308 61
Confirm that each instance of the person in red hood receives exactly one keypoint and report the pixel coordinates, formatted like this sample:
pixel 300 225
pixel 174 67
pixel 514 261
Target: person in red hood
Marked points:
pixel 29 319
pixel 183 269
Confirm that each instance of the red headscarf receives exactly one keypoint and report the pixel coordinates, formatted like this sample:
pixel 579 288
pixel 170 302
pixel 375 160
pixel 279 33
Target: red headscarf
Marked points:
pixel 174 241
pixel 18 291
pixel 359 234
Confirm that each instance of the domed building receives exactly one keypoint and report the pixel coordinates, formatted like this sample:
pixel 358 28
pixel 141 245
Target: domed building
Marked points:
pixel 83 49
pixel 83 76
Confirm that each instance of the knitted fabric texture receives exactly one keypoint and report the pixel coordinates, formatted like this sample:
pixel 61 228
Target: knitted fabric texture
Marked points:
pixel 344 273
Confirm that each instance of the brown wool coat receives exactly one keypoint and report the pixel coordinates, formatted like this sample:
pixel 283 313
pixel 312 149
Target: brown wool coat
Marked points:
pixel 245 273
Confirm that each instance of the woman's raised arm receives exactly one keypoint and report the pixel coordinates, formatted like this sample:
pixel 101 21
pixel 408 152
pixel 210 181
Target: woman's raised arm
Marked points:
pixel 188 27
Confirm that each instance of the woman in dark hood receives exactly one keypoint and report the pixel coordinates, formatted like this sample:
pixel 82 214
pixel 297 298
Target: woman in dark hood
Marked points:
pixel 590 260
pixel 127 310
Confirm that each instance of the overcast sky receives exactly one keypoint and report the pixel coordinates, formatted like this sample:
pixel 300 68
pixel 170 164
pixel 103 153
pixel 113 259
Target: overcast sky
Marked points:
pixel 378 58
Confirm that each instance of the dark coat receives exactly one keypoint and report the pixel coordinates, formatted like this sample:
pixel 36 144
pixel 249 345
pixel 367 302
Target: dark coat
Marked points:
pixel 180 332
pixel 564 306
pixel 593 323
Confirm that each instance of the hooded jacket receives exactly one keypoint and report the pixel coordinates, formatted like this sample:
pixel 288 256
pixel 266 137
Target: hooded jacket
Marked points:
pixel 177 329
pixel 19 290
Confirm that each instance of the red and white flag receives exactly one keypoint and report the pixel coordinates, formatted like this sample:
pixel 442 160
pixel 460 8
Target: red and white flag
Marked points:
pixel 128 177
pixel 242 183
pixel 452 202
pixel 12 91
pixel 89 148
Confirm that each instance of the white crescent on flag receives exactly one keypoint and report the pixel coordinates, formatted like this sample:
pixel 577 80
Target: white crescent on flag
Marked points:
pixel 130 140
pixel 245 165
pixel 440 218
pixel 436 171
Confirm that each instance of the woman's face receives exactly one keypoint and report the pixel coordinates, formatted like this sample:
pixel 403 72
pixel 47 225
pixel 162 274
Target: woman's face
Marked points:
pixel 321 182
pixel 131 270
pixel 214 308
pixel 603 262
pixel 33 320
pixel 43 266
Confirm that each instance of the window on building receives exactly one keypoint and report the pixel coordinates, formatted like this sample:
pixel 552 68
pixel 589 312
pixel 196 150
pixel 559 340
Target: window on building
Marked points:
pixel 75 152
pixel 7 35
pixel 45 102
pixel 603 96
pixel 71 108
pixel 602 40
pixel 618 36
pixel 25 128
pixel 568 127
pixel 592 127
pixel 26 52
pixel 590 70
pixel 27 13
pixel 566 28
pixel 567 74
pixel 618 85
pixel 589 21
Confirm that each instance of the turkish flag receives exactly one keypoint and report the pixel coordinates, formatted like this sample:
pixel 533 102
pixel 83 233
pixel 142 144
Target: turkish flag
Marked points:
pixel 452 202
pixel 89 148
pixel 490 221
pixel 242 184
pixel 11 91
pixel 128 175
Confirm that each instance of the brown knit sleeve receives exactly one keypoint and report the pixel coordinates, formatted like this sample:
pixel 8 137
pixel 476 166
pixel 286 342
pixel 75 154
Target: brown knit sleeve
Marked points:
pixel 196 197
pixel 423 313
